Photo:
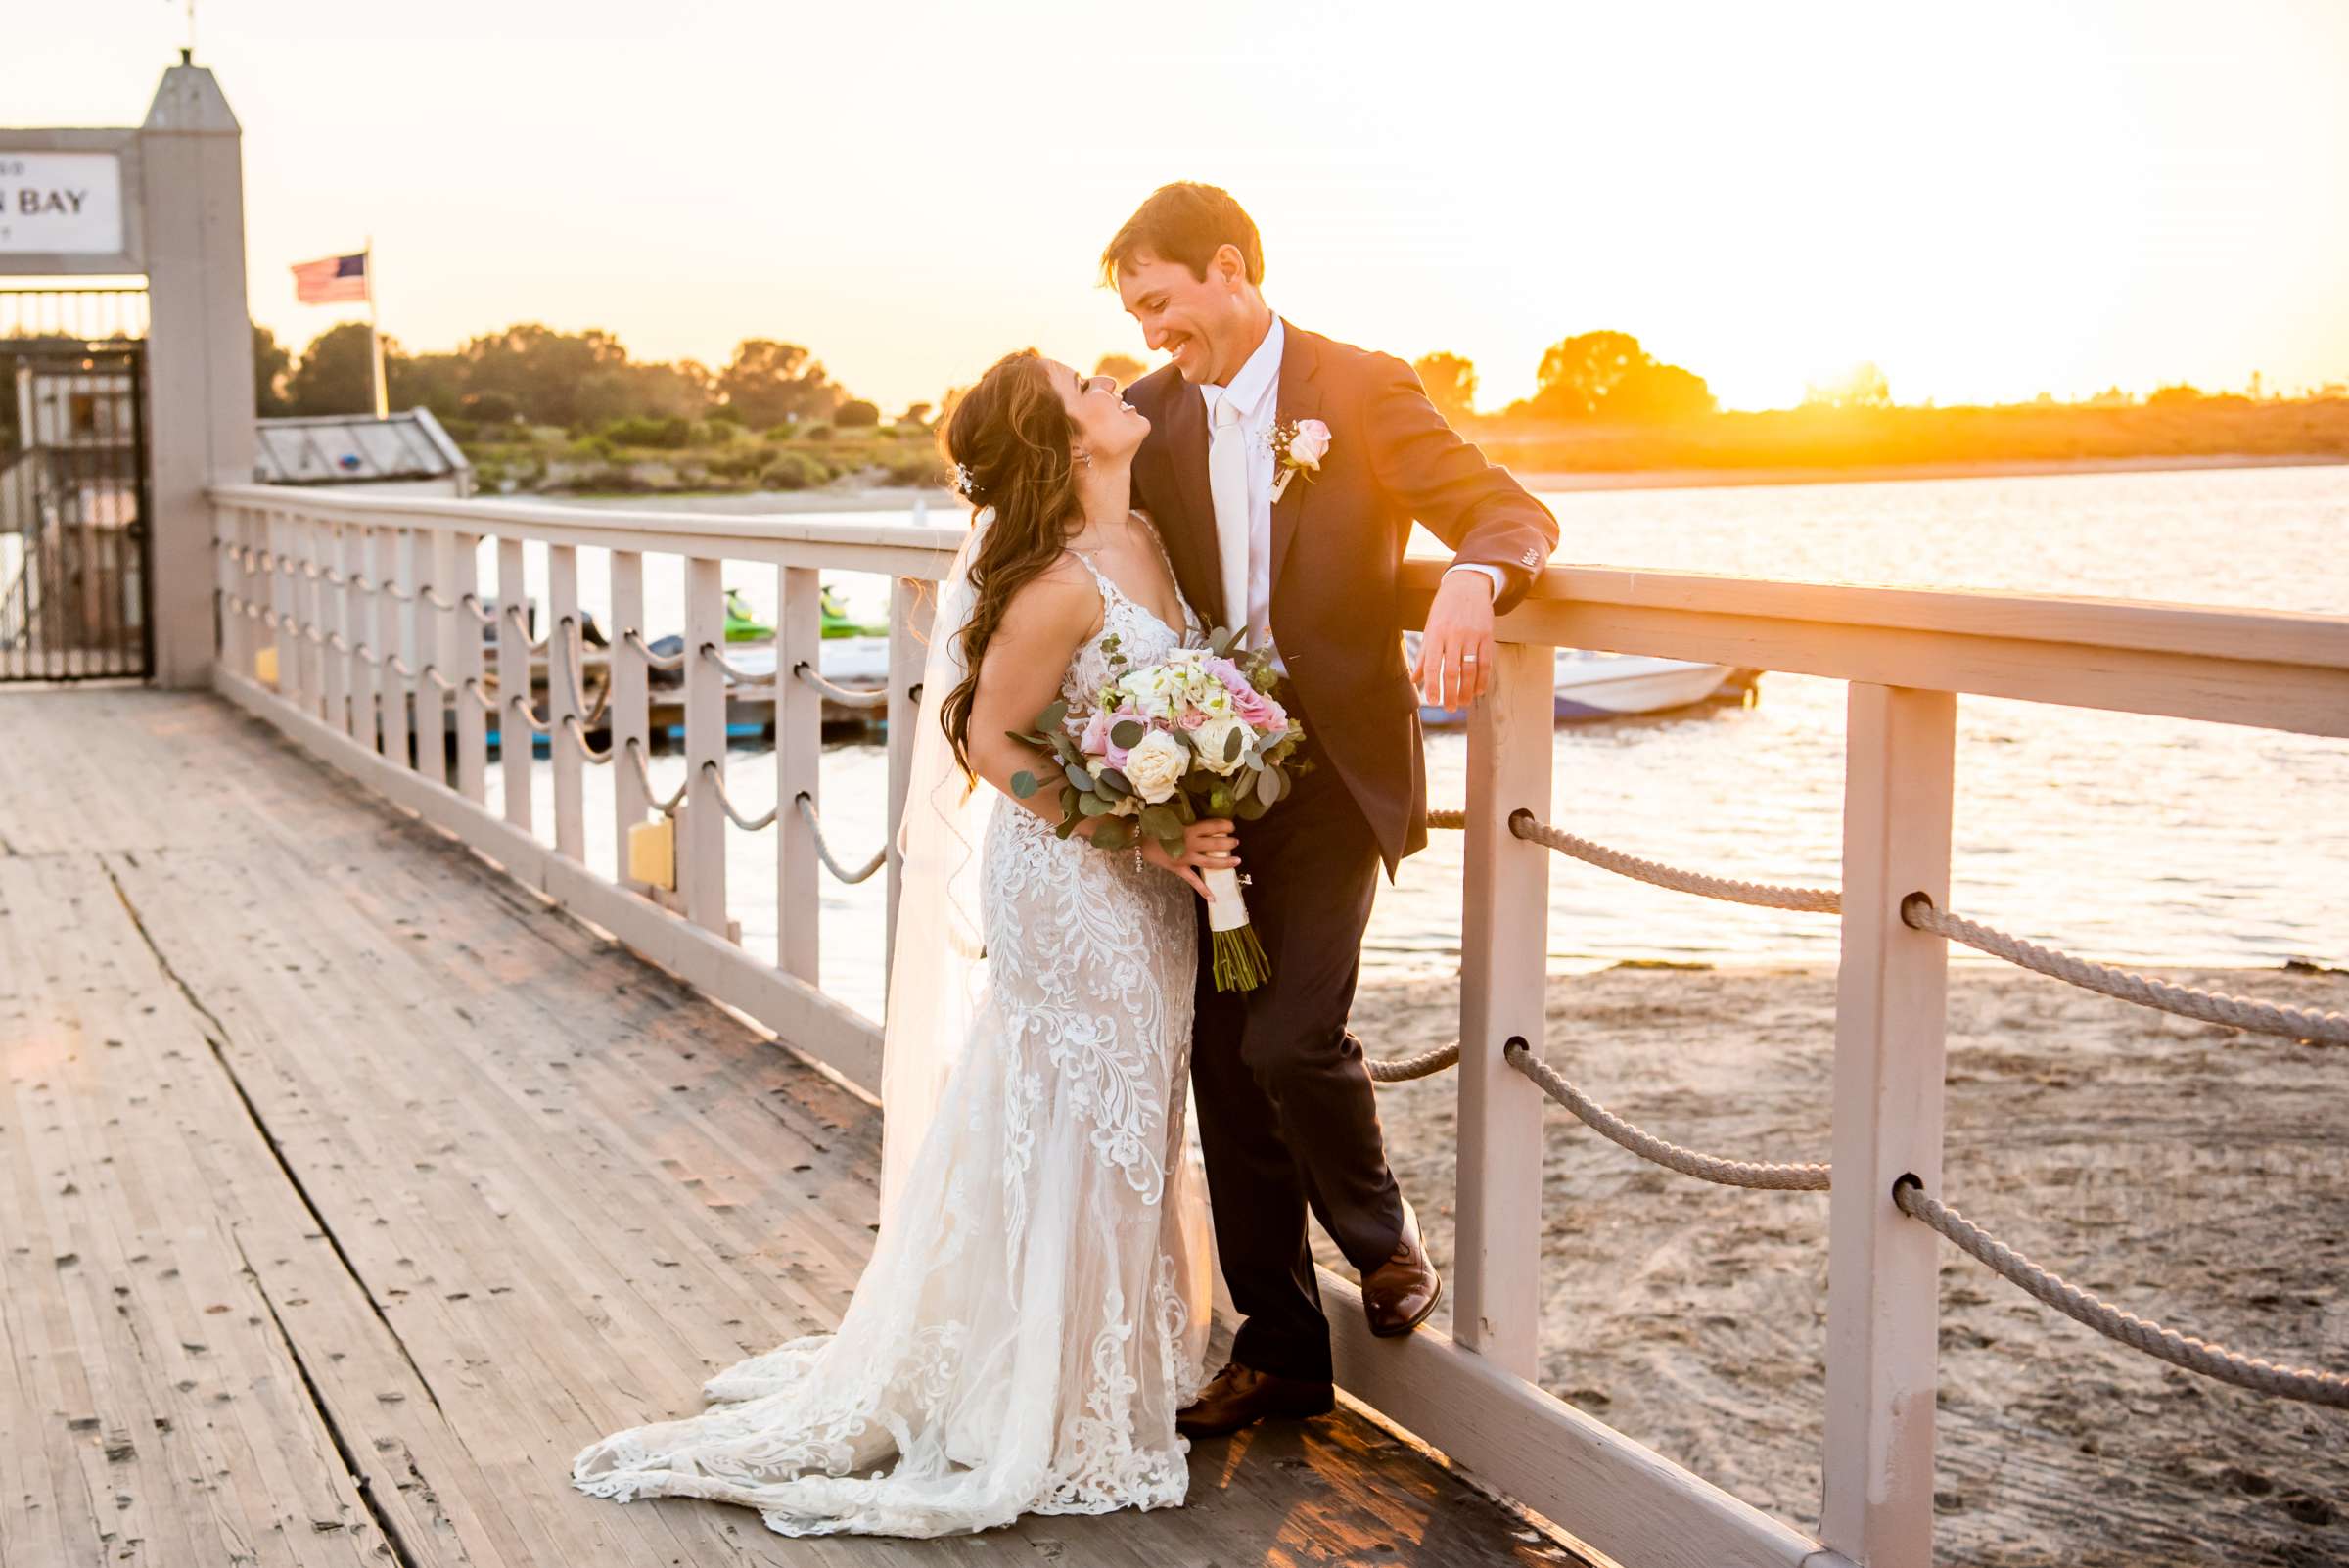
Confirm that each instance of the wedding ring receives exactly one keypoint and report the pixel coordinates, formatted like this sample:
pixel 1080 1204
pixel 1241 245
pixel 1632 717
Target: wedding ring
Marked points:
pixel 1468 659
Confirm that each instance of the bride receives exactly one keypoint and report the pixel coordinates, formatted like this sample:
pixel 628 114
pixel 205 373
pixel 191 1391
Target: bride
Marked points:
pixel 1036 1307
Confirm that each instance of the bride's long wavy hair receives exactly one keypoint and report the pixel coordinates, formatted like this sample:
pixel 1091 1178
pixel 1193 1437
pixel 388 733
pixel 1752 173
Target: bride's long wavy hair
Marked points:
pixel 1012 437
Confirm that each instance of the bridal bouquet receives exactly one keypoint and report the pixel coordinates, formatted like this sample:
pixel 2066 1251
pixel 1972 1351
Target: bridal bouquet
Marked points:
pixel 1193 735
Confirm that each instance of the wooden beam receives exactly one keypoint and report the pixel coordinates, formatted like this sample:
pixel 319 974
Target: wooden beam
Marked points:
pixel 1890 1010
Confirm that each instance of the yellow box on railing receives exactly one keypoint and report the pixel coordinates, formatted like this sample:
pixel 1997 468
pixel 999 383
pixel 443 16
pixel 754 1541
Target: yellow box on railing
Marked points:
pixel 652 853
pixel 264 666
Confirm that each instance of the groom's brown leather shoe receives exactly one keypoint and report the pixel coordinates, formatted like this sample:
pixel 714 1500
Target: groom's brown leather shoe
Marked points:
pixel 1241 1396
pixel 1399 1294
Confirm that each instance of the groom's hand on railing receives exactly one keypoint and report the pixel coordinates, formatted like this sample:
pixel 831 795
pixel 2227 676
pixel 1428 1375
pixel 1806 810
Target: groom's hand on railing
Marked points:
pixel 1455 651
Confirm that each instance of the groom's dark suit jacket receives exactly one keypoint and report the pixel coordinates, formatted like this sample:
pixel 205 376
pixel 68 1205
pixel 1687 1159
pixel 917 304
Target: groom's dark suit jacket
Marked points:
pixel 1338 539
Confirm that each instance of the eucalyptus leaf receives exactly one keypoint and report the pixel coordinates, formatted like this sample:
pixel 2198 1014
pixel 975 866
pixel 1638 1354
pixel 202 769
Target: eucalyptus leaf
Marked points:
pixel 1232 743
pixel 1249 810
pixel 1127 733
pixel 1053 717
pixel 1114 833
pixel 1024 784
pixel 1162 822
pixel 1115 784
pixel 1089 805
pixel 1267 786
pixel 1078 779
pixel 1221 643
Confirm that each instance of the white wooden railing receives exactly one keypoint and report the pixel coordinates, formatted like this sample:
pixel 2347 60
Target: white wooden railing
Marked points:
pixel 334 585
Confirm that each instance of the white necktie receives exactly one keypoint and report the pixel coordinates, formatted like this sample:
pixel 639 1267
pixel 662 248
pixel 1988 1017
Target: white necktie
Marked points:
pixel 1227 487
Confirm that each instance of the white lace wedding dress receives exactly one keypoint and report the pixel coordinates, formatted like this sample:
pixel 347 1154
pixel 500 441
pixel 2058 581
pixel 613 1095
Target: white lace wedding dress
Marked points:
pixel 1034 1311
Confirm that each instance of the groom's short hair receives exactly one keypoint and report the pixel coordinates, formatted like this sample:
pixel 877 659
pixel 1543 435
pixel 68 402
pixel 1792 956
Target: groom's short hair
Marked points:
pixel 1186 222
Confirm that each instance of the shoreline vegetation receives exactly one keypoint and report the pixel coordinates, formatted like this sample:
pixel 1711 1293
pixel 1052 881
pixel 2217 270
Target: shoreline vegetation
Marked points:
pixel 540 412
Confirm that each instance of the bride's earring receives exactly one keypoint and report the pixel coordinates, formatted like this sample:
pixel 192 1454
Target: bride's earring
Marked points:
pixel 1081 459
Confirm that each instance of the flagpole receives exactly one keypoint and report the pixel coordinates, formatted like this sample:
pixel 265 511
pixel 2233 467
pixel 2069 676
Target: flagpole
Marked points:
pixel 375 339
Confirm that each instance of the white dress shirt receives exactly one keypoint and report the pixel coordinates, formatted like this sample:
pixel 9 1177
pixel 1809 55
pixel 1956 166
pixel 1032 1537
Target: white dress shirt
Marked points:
pixel 1255 391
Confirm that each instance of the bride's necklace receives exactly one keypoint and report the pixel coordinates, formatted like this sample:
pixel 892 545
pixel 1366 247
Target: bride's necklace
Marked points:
pixel 1126 537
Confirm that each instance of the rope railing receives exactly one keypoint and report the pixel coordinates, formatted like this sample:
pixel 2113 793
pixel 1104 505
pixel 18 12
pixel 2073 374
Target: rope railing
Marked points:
pixel 1762 895
pixel 726 802
pixel 1918 911
pixel 521 623
pixel 659 660
pixel 2210 1007
pixel 574 657
pixel 644 777
pixel 845 696
pixel 2163 1343
pixel 1424 1064
pixel 588 750
pixel 471 603
pixel 735 674
pixel 823 851
pixel 519 704
pixel 1646 1145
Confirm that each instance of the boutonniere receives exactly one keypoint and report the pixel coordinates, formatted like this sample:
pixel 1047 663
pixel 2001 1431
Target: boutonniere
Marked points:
pixel 1298 443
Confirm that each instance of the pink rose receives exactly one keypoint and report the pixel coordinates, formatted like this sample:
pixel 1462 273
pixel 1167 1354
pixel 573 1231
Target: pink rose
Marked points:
pixel 1191 718
pixel 1094 741
pixel 1309 444
pixel 1259 712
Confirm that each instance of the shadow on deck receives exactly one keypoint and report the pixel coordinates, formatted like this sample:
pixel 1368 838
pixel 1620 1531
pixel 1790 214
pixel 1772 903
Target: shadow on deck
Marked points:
pixel 350 1189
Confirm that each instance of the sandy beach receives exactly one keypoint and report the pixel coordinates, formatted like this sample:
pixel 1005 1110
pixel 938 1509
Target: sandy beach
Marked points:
pixel 2189 1173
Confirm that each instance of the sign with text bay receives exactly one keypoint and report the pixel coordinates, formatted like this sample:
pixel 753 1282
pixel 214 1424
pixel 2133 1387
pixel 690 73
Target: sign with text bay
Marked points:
pixel 61 203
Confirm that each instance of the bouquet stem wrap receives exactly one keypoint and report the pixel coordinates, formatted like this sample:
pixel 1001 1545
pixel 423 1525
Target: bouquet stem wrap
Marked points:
pixel 1240 964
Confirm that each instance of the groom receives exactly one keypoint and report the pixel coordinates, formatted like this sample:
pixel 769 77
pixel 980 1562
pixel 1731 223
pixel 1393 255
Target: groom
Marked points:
pixel 1287 1117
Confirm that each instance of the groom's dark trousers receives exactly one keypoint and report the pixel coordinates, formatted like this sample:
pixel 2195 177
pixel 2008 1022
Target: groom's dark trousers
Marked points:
pixel 1287 1115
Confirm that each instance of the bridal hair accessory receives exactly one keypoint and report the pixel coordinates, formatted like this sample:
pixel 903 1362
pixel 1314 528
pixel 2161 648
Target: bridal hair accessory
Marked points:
pixel 966 483
pixel 1299 444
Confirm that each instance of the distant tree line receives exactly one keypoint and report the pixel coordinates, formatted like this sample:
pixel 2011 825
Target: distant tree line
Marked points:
pixel 531 373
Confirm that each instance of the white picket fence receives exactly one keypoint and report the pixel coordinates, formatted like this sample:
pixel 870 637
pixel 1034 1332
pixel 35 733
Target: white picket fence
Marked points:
pixel 370 609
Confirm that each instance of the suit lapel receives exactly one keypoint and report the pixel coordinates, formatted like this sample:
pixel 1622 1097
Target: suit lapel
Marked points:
pixel 1300 399
pixel 1198 566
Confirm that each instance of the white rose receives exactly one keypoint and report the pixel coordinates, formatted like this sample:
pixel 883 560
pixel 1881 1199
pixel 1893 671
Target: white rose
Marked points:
pixel 1213 737
pixel 1156 766
pixel 1309 444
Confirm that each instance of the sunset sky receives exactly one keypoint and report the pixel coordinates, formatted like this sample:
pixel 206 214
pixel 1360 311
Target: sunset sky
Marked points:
pixel 1990 202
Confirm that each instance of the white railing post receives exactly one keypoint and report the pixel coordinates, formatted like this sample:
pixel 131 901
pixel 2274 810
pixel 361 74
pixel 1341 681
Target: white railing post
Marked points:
pixel 285 599
pixel 334 669
pixel 316 653
pixel 226 572
pixel 701 845
pixel 436 639
pixel 1883 1316
pixel 515 741
pixel 565 654
pixel 391 621
pixel 473 741
pixel 910 607
pixel 1504 963
pixel 359 620
pixel 630 701
pixel 798 752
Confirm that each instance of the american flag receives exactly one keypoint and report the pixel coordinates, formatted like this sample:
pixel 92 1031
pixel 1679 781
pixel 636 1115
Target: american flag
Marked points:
pixel 337 277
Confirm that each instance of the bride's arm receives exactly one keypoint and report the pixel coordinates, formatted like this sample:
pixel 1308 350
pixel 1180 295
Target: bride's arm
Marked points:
pixel 1019 676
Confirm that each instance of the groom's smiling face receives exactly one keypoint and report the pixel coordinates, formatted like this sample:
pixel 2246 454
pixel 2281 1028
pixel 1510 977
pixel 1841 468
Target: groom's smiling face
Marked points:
pixel 1208 326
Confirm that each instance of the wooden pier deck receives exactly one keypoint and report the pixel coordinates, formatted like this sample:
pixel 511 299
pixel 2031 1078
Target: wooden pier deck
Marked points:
pixel 346 1189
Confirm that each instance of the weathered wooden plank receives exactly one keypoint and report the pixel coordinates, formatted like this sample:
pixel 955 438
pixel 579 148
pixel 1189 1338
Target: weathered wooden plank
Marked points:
pixel 186 1413
pixel 557 1188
